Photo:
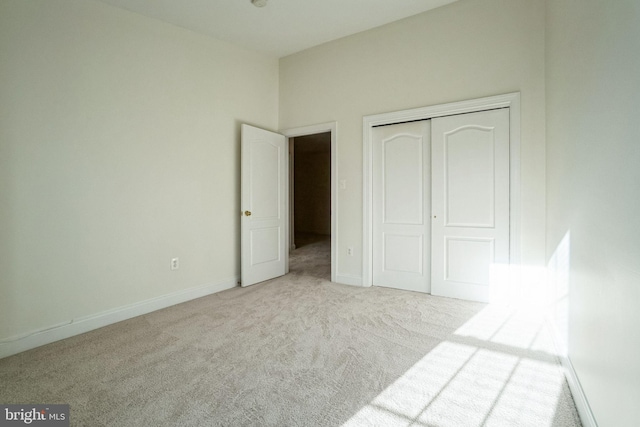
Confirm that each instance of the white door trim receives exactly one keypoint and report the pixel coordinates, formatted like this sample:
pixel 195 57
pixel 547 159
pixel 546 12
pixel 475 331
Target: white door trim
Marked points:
pixel 322 128
pixel 510 100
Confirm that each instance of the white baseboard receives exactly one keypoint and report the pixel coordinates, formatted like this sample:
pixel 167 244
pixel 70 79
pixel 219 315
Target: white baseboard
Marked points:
pixel 582 404
pixel 348 279
pixel 84 324
pixel 579 397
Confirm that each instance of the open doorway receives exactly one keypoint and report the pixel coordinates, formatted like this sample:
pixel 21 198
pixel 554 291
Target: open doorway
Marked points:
pixel 330 129
pixel 310 203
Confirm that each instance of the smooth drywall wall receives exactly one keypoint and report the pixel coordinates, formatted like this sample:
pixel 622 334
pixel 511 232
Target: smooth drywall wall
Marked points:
pixel 593 195
pixel 465 50
pixel 119 150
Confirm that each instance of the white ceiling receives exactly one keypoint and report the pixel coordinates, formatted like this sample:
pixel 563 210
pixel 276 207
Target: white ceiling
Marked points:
pixel 283 26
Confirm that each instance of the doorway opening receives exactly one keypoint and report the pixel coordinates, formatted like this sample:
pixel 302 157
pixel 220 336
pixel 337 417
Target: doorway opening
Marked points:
pixel 312 233
pixel 310 188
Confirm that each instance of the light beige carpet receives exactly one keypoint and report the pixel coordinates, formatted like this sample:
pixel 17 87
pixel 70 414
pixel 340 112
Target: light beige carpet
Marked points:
pixel 302 351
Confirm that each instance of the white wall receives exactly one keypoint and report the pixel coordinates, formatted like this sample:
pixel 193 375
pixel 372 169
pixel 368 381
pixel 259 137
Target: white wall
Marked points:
pixel 593 194
pixel 468 49
pixel 119 149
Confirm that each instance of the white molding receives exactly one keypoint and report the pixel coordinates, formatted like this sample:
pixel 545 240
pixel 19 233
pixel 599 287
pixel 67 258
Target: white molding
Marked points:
pixel 311 130
pixel 349 279
pixel 84 324
pixel 582 404
pixel 510 100
pixel 579 397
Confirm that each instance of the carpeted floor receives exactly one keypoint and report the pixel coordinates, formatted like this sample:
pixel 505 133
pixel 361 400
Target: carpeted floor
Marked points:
pixel 302 351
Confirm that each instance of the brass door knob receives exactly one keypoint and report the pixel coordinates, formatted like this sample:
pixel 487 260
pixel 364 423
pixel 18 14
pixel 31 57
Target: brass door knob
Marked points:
pixel 247 213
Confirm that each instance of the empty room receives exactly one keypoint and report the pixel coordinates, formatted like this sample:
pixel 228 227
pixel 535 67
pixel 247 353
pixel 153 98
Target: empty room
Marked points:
pixel 337 213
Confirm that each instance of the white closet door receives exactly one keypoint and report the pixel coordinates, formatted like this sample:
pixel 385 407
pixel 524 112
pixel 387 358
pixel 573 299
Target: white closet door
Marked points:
pixel 401 206
pixel 470 204
pixel 264 215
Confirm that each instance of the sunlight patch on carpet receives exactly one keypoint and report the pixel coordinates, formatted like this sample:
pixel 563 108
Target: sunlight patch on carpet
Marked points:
pixel 497 372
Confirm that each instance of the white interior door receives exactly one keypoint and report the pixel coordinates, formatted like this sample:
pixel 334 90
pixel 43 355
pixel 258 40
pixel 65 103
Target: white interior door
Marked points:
pixel 264 214
pixel 401 206
pixel 470 204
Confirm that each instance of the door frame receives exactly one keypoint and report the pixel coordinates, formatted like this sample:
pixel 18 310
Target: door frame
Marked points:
pixel 331 127
pixel 509 100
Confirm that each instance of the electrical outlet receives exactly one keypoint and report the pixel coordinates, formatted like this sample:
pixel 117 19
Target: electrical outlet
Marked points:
pixel 350 251
pixel 175 263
